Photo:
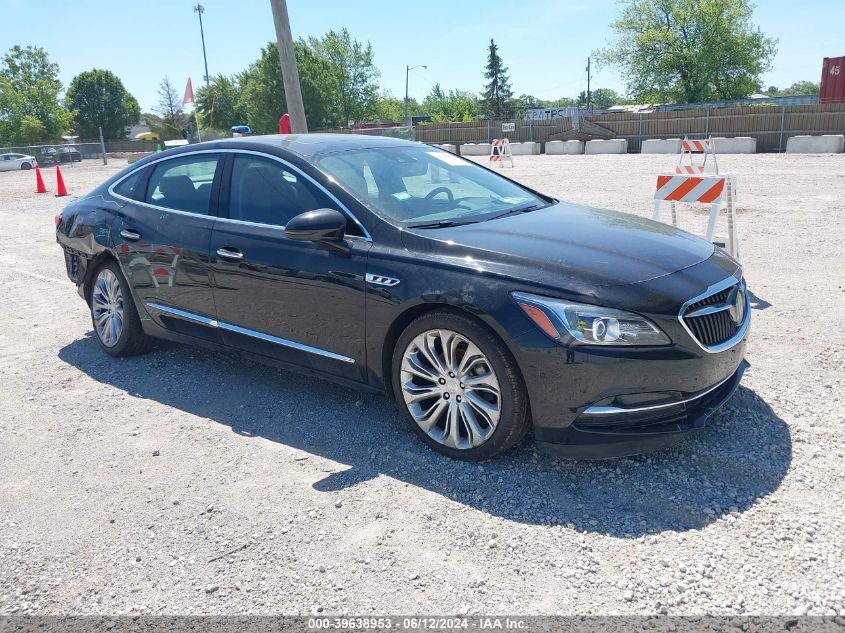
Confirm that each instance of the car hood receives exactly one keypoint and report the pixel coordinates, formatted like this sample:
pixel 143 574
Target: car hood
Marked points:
pixel 566 243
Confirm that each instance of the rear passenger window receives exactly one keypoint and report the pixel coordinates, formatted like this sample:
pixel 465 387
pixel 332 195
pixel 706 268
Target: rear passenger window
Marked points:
pixel 128 187
pixel 183 184
pixel 265 191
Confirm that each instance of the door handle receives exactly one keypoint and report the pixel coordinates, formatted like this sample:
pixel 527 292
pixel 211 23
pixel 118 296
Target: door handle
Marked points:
pixel 130 235
pixel 230 253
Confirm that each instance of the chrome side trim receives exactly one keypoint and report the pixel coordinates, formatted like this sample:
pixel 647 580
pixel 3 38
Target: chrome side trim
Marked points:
pixel 610 410
pixel 247 332
pixel 190 316
pixel 230 150
pixel 741 331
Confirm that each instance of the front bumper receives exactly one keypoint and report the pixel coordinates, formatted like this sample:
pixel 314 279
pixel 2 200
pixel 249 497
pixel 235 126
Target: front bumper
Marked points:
pixel 602 432
pixel 595 401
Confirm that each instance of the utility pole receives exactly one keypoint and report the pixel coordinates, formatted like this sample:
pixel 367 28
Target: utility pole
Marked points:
pixel 199 10
pixel 588 83
pixel 407 72
pixel 408 69
pixel 290 73
pixel 103 147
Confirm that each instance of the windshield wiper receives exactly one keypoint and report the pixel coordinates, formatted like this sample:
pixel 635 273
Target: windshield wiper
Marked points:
pixel 516 210
pixel 440 224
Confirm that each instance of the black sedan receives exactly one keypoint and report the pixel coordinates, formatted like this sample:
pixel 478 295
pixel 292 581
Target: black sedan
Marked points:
pixel 64 154
pixel 486 308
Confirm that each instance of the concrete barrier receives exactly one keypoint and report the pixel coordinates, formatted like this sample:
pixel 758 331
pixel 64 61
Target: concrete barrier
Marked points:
pixel 573 147
pixel 448 147
pixel 661 146
pixel 475 149
pixel 609 146
pixel 136 156
pixel 525 149
pixel 827 144
pixel 564 147
pixel 737 145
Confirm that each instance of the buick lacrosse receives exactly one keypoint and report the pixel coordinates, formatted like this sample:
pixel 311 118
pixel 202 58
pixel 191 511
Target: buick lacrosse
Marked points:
pixel 486 309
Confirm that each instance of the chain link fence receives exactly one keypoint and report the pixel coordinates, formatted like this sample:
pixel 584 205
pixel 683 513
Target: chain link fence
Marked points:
pixel 58 154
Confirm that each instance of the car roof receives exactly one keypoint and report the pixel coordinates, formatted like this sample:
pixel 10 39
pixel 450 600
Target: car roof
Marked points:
pixel 309 145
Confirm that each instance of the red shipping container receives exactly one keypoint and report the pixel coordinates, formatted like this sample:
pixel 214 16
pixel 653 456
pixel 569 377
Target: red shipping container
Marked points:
pixel 833 80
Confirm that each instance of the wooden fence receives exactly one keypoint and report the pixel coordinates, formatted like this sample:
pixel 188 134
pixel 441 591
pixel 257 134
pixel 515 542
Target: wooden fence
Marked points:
pixel 770 125
pixel 485 131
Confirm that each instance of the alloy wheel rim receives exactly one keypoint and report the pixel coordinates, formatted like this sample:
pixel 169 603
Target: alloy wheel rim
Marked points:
pixel 450 389
pixel 107 307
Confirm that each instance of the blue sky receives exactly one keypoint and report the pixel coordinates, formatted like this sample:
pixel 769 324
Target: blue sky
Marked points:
pixel 544 43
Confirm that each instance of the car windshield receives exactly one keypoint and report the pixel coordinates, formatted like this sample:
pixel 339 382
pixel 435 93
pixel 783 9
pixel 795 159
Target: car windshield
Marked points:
pixel 425 186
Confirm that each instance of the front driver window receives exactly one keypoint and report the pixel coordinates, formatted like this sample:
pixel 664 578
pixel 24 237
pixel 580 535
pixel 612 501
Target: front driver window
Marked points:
pixel 264 191
pixel 422 185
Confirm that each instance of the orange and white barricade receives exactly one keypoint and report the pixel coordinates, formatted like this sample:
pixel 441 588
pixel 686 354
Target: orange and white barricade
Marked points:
pixel 500 151
pixel 692 148
pixel 712 189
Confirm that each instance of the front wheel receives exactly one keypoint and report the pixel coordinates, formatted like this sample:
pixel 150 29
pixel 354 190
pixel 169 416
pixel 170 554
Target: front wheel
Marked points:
pixel 25 166
pixel 458 387
pixel 113 314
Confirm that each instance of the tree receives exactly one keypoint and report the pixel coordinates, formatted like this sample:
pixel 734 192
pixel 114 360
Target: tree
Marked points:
pixel 689 50
pixel 218 103
pixel 30 111
pixel 600 98
pixel 456 105
pixel 263 93
pixel 262 99
pixel 390 108
pixel 320 88
pixel 497 93
pixel 530 101
pixel 169 105
pixel 800 88
pixel 97 99
pixel 351 64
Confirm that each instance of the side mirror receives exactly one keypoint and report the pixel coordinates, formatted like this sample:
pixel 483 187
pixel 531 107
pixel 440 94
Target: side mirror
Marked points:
pixel 317 225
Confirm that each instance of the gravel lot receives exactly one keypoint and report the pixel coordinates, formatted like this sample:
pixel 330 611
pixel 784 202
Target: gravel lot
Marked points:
pixel 185 482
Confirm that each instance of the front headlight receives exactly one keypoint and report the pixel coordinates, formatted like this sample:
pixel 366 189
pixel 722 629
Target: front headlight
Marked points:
pixel 581 323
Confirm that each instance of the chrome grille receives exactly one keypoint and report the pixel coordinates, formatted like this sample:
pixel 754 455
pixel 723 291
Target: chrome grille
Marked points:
pixel 712 320
pixel 712 329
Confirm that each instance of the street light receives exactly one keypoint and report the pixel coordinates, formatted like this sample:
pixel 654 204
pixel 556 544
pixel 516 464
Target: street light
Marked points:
pixel 199 10
pixel 408 69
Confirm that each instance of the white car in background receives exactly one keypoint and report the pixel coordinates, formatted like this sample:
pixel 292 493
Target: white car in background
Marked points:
pixel 10 162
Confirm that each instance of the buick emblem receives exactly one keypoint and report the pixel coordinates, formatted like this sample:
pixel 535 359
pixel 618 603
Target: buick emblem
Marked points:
pixel 736 301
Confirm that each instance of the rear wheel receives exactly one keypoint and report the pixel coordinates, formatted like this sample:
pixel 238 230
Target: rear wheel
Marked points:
pixel 113 314
pixel 26 166
pixel 458 387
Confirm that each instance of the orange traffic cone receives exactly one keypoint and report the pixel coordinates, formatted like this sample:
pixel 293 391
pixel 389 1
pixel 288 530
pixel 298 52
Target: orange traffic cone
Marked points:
pixel 39 181
pixel 60 183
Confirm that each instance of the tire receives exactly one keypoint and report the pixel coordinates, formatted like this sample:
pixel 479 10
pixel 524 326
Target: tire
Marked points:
pixel 25 166
pixel 449 415
pixel 119 332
